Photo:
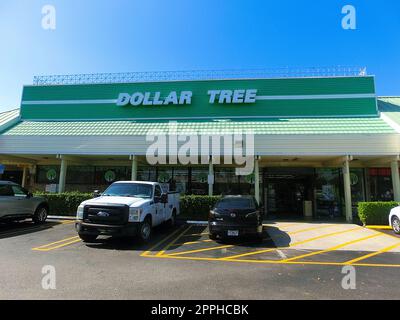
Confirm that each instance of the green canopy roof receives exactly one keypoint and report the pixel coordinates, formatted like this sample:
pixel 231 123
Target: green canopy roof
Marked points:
pixel 361 125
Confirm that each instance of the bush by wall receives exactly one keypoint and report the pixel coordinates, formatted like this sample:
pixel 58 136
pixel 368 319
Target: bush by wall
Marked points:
pixel 64 204
pixel 375 213
pixel 197 207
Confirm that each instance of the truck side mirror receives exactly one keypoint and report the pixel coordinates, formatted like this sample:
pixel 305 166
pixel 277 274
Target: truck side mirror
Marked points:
pixel 96 193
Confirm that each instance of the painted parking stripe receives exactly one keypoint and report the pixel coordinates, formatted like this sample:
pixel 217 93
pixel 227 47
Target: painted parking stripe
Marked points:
pixel 146 253
pixel 276 261
pixel 230 246
pixel 373 254
pixel 311 229
pixel 192 242
pixel 173 242
pixel 195 234
pixel 332 248
pixel 280 225
pixel 58 244
pixel 201 250
pixel 68 222
pixel 290 245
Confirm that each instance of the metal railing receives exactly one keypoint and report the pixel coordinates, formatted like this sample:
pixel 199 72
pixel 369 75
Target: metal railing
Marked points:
pixel 127 77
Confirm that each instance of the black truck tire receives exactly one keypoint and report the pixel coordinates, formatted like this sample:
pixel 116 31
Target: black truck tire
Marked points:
pixel 145 230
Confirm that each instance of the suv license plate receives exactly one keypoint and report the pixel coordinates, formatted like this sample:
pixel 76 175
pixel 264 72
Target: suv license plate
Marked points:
pixel 233 233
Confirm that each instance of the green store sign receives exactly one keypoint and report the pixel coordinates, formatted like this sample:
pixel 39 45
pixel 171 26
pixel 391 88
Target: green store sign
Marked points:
pixel 51 175
pixel 110 176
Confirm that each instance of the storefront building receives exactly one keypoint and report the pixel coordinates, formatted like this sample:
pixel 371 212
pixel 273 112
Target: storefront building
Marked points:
pixel 321 144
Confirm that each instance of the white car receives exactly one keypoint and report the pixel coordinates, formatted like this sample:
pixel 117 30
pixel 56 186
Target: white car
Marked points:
pixel 127 208
pixel 394 219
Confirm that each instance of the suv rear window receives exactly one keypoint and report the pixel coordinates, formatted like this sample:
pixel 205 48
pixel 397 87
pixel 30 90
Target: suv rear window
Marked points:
pixel 236 203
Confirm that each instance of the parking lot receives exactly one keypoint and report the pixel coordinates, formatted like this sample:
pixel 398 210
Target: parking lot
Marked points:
pixel 288 243
pixel 295 260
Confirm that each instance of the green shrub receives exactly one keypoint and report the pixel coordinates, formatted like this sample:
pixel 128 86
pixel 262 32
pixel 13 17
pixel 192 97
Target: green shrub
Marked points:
pixel 64 204
pixel 375 213
pixel 197 207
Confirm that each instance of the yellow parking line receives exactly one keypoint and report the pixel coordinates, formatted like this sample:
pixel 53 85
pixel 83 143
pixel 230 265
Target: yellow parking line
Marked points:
pixel 192 242
pixel 311 228
pixel 160 253
pixel 166 256
pixel 200 250
pixel 68 222
pixel 196 234
pixel 373 254
pixel 290 245
pixel 332 248
pixel 59 241
pixel 279 225
pixel 160 242
pixel 63 243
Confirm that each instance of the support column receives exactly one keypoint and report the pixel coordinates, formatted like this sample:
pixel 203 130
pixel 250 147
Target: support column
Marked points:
pixel 134 167
pixel 24 176
pixel 394 165
pixel 63 175
pixel 347 189
pixel 210 177
pixel 257 179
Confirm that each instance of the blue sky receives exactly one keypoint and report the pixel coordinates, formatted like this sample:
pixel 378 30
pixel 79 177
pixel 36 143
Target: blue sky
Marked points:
pixel 150 35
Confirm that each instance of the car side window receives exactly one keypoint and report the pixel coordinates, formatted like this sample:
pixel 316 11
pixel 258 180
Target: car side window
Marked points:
pixel 157 191
pixel 6 191
pixel 18 191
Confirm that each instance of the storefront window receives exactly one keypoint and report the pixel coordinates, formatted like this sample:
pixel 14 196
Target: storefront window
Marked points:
pixel 357 187
pixel 147 174
pixel 80 175
pixel 226 182
pixel 164 177
pixel 381 187
pixel 180 180
pixel 246 184
pixel 108 175
pixel 328 192
pixel 48 174
pixel 199 181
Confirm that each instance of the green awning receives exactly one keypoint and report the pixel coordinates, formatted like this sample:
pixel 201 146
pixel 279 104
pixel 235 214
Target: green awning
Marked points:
pixel 275 126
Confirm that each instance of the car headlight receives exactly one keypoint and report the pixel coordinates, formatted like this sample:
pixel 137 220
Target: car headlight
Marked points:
pixel 79 212
pixel 134 214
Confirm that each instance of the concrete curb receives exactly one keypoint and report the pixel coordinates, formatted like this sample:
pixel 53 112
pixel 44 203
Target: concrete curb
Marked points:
pixel 199 223
pixel 61 217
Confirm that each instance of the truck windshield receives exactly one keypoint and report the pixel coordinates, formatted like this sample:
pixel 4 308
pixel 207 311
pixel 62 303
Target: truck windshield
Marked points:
pixel 129 190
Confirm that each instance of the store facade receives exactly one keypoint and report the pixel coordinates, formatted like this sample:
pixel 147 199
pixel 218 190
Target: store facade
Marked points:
pixel 317 145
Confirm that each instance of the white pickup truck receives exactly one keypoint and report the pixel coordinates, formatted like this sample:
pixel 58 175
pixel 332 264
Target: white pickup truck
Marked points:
pixel 127 208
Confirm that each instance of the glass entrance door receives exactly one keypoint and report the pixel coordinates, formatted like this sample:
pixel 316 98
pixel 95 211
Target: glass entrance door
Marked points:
pixel 286 190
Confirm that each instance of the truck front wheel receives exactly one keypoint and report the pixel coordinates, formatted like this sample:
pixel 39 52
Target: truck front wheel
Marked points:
pixel 145 230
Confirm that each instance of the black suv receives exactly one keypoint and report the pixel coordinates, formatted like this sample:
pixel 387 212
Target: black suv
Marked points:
pixel 234 217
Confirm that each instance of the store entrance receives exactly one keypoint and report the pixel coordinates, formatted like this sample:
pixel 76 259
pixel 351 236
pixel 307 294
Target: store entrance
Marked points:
pixel 286 190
